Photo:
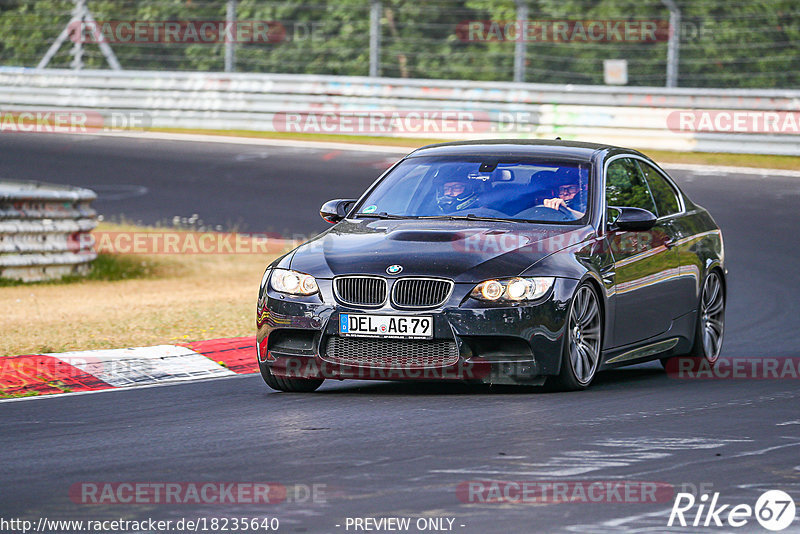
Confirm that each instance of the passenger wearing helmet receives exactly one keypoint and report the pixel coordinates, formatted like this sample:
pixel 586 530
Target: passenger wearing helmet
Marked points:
pixel 456 194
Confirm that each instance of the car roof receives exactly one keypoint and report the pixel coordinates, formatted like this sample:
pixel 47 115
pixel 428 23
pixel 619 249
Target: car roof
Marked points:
pixel 545 148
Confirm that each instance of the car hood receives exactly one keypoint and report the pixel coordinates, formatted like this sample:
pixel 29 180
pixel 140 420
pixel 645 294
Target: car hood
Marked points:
pixel 465 251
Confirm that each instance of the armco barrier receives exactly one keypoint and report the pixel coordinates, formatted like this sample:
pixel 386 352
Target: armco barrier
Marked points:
pixel 45 230
pixel 634 116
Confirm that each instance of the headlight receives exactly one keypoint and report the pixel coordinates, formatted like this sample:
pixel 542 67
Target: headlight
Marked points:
pixel 293 283
pixel 263 284
pixel 513 289
pixel 264 280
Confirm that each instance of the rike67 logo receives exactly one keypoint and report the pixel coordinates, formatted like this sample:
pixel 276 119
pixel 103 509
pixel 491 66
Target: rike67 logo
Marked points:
pixel 774 510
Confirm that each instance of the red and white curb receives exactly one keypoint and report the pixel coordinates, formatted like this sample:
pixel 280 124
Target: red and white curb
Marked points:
pixel 93 370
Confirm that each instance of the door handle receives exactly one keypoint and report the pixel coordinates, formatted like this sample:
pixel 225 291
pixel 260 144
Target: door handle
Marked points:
pixel 669 243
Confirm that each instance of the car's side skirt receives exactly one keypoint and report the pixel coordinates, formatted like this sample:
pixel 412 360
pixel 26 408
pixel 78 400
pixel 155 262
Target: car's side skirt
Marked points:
pixel 645 351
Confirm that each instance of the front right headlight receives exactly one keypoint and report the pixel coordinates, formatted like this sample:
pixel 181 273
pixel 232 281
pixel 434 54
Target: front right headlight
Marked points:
pixel 293 282
pixel 263 285
pixel 513 289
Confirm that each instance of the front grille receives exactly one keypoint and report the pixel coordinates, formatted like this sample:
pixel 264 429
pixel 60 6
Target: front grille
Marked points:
pixel 391 353
pixel 420 292
pixel 360 290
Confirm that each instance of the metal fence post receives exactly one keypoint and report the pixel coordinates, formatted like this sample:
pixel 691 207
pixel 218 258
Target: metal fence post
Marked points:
pixel 519 47
pixel 673 45
pixel 78 14
pixel 230 45
pixel 375 37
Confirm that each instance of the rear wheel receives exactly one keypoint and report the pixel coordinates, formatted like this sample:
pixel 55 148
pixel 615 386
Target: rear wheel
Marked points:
pixel 295 385
pixel 581 354
pixel 710 326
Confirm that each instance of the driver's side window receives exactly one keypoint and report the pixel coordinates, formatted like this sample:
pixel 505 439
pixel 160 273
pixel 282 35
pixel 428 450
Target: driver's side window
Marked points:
pixel 626 187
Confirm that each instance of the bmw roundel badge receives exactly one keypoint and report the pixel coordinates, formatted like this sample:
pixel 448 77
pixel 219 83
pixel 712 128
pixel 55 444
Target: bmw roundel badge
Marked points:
pixel 394 269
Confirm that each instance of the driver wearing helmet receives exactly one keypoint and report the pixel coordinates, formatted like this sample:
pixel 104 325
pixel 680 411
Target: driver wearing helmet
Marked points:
pixel 456 194
pixel 568 196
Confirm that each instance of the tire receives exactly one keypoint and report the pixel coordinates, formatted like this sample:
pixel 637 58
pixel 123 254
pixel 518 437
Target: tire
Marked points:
pixel 292 385
pixel 710 323
pixel 580 356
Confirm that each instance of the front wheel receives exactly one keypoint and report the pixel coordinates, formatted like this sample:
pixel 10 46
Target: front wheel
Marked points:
pixel 581 354
pixel 294 385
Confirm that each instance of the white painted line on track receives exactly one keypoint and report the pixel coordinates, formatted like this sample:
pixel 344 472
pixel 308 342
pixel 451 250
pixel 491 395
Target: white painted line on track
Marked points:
pixel 258 141
pixel 131 388
pixel 724 169
pixel 386 149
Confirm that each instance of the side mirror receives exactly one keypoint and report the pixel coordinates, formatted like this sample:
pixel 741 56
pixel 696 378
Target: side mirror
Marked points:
pixel 631 219
pixel 334 211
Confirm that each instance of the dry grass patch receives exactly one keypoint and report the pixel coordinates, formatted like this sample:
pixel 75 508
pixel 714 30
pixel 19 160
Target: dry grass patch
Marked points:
pixel 177 298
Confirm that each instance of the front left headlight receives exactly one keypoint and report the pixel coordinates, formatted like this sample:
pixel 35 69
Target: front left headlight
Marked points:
pixel 513 289
pixel 293 282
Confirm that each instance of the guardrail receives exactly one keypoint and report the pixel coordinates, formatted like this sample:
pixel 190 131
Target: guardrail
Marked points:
pixel 45 230
pixel 631 116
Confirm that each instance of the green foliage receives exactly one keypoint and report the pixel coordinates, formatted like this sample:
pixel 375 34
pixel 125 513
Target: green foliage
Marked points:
pixel 723 44
pixel 107 267
pixel 625 186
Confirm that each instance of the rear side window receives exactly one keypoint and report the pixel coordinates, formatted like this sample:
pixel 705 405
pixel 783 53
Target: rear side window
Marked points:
pixel 625 186
pixel 664 194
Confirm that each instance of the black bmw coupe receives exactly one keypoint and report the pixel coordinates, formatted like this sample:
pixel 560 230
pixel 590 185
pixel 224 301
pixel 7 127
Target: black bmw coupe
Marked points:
pixel 504 262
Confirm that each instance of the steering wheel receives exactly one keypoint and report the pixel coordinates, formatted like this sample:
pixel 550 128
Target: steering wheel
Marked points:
pixel 543 213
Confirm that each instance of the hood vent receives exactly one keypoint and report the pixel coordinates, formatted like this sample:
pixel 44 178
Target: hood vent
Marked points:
pixel 426 236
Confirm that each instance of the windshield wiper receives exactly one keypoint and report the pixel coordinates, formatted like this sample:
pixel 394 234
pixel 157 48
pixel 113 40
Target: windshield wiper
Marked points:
pixel 384 215
pixel 469 217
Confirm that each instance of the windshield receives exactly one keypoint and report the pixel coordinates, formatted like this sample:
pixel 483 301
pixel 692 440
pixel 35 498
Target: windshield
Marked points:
pixel 481 187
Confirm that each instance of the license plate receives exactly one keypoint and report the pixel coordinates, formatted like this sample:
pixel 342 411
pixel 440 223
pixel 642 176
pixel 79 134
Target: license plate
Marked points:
pixel 398 326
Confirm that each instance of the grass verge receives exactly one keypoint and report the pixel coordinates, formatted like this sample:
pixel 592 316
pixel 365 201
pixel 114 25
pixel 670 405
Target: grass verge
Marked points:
pixel 662 156
pixel 4 395
pixel 134 300
pixel 107 268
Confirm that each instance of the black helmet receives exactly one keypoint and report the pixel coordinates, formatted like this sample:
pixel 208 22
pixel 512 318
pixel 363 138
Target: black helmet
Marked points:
pixel 449 201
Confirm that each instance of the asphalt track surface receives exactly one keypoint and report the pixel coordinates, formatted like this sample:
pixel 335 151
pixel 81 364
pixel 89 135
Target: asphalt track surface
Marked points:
pixel 399 449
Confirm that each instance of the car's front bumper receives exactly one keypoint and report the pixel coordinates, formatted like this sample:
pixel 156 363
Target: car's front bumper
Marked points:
pixel 501 345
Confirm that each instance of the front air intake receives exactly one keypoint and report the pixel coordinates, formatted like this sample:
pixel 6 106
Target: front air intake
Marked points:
pixel 381 353
pixel 421 292
pixel 368 291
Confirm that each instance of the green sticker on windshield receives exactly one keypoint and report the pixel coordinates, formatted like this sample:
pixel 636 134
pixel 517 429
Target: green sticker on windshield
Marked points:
pixel 370 209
